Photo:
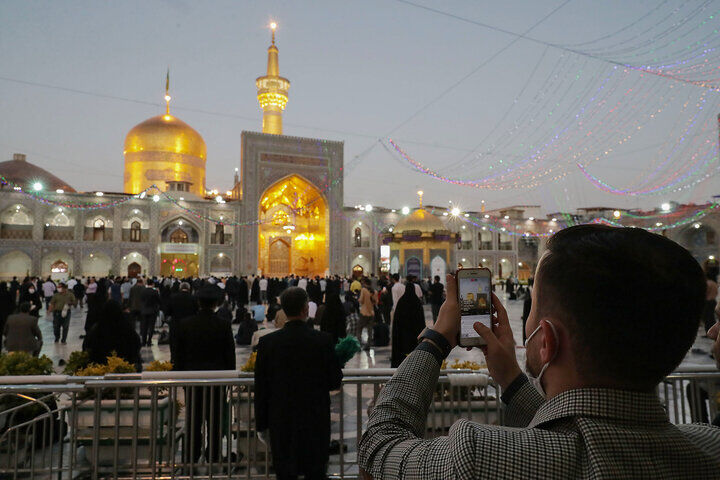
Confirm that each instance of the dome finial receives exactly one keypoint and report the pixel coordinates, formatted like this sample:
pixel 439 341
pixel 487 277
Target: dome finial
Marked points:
pixel 273 26
pixel 167 92
pixel 420 195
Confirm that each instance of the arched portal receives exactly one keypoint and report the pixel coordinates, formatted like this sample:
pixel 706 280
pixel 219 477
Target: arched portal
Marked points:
pixel 179 249
pixel 413 267
pixel 279 257
pixel 357 271
pixel 438 267
pixel 133 270
pixel 294 229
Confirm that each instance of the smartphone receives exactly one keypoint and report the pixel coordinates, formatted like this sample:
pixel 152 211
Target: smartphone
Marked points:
pixel 475 300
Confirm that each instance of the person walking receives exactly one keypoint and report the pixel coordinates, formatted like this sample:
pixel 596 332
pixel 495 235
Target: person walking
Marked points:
pixel 437 297
pixel 298 363
pixel 79 292
pixel 61 307
pixel 22 333
pixel 149 309
pixel 48 289
pixel 367 303
pixel 408 322
pixel 263 286
pixel 204 342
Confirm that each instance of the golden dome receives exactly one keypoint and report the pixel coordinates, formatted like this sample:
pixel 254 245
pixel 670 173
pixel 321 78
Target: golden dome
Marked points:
pixel 165 133
pixel 420 220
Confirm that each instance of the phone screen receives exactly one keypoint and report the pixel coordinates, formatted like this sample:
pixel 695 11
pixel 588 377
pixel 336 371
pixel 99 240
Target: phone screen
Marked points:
pixel 475 298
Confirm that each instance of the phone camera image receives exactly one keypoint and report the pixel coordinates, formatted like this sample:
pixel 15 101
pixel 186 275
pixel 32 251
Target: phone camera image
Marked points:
pixel 474 293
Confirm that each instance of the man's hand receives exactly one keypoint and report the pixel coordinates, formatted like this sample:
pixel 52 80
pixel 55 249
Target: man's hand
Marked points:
pixel 714 333
pixel 500 349
pixel 448 321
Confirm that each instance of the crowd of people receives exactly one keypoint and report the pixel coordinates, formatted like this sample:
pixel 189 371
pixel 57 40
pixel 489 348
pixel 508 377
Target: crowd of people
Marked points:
pixel 119 307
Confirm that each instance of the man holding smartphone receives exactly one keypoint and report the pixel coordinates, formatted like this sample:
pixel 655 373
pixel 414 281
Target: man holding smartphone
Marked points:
pixel 587 405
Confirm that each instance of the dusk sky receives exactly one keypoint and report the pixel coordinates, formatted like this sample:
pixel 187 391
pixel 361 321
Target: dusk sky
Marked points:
pixel 450 85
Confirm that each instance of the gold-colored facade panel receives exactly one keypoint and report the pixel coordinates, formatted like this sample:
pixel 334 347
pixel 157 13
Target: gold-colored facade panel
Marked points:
pixel 294 230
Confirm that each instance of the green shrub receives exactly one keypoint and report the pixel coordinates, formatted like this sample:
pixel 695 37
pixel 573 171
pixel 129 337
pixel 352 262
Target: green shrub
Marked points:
pixel 23 363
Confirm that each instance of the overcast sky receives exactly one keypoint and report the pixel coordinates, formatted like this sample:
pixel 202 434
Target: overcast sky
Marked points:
pixel 459 97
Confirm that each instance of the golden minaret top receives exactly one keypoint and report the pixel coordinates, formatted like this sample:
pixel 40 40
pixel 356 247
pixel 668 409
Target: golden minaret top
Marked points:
pixel 272 91
pixel 167 92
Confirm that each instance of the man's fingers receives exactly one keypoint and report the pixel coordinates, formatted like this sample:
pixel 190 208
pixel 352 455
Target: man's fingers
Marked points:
pixel 486 333
pixel 502 316
pixel 713 332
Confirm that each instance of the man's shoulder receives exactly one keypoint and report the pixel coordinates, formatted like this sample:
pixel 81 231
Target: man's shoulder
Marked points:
pixel 704 436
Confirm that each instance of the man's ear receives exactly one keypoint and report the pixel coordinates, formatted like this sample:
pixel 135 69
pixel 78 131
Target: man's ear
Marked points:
pixel 550 341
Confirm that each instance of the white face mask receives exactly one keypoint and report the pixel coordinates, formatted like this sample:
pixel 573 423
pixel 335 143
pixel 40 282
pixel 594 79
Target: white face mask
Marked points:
pixel 31 290
pixel 536 381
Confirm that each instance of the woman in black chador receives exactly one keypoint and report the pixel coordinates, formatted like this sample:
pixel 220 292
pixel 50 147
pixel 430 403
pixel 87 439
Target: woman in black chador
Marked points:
pixel 408 322
pixel 331 317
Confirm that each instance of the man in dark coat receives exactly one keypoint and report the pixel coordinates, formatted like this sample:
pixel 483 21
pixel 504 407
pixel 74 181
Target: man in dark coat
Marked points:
pixel 134 299
pixel 149 309
pixel 182 305
pixel 296 368
pixel 204 342
pixel 232 288
pixel 243 292
pixel 437 297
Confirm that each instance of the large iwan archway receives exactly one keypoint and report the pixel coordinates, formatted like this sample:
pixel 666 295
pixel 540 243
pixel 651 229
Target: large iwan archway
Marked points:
pixel 294 229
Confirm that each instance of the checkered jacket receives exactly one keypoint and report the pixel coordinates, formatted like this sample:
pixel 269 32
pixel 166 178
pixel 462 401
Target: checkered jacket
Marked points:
pixel 586 433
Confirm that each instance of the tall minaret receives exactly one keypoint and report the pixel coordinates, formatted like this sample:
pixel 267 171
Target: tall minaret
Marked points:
pixel 272 91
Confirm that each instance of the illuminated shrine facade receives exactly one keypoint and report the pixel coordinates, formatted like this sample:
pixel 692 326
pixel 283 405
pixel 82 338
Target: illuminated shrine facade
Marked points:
pixel 294 187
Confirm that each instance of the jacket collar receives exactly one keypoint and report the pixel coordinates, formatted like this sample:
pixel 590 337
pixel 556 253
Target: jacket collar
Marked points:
pixel 295 323
pixel 635 407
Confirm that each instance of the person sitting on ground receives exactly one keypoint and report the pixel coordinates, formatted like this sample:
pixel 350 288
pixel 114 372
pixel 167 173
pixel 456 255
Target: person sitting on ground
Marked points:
pixel 596 352
pixel 259 312
pixel 247 327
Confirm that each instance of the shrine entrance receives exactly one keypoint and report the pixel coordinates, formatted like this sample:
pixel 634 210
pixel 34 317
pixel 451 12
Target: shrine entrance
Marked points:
pixel 294 229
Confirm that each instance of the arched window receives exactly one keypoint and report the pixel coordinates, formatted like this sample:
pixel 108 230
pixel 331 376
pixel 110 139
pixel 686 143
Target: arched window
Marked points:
pixel 98 230
pixel 219 233
pixel 178 236
pixel 358 237
pixel 135 231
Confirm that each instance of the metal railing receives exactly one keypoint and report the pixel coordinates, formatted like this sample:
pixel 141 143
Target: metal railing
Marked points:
pixel 202 425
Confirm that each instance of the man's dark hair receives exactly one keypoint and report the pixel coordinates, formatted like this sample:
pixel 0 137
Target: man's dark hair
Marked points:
pixel 437 278
pixel 24 307
pixel 630 299
pixel 293 300
pixel 209 297
pixel 395 277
